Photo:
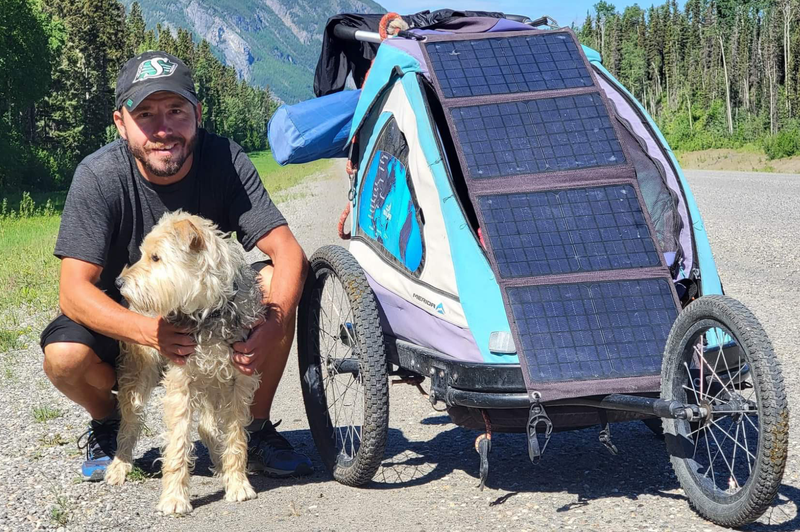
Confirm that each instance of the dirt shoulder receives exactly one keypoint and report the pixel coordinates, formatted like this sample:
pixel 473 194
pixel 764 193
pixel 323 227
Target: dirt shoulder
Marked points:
pixel 737 161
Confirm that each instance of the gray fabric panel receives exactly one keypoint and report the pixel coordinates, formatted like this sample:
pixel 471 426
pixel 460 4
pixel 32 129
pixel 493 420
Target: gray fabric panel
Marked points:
pixel 626 112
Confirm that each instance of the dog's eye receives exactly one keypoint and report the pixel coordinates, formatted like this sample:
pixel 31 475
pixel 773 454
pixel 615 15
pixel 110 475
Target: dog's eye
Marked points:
pixel 155 258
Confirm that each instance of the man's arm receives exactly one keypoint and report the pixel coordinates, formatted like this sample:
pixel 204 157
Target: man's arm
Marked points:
pixel 289 274
pixel 290 265
pixel 84 303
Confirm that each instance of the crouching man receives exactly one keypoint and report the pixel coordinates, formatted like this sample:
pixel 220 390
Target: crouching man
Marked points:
pixel 164 161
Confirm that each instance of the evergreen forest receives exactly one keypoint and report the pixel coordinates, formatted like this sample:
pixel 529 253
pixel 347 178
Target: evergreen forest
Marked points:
pixel 714 74
pixel 59 62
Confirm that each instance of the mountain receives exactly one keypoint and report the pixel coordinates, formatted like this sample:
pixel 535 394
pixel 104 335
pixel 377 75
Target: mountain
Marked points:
pixel 274 43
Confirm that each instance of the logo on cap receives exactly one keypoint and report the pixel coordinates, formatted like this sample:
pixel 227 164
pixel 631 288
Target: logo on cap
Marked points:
pixel 157 67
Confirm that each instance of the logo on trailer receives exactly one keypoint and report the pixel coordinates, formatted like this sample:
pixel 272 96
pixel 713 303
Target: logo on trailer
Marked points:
pixel 158 67
pixel 438 308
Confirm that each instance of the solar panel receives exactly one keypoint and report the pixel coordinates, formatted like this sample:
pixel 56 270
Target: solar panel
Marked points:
pixel 585 331
pixel 481 67
pixel 536 136
pixel 568 231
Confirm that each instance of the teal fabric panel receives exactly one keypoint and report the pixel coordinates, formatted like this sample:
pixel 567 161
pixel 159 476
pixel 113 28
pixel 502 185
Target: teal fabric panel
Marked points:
pixel 384 68
pixel 477 288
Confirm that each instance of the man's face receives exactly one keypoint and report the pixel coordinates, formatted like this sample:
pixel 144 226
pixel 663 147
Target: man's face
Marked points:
pixel 161 133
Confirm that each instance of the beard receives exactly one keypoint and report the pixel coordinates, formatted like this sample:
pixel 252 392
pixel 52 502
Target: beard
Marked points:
pixel 171 165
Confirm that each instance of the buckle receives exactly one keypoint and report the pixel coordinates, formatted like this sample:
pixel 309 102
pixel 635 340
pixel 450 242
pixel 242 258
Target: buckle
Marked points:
pixel 538 416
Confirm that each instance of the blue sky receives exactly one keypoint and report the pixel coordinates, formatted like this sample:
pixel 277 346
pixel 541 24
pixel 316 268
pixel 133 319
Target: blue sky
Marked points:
pixel 564 11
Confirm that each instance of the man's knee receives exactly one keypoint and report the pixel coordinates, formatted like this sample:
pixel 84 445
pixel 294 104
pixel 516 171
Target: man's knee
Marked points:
pixel 68 361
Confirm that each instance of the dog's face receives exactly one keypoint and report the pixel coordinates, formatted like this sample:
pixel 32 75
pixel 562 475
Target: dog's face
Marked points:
pixel 184 268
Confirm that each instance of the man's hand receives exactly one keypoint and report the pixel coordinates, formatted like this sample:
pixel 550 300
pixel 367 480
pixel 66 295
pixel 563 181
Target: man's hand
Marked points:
pixel 169 340
pixel 264 337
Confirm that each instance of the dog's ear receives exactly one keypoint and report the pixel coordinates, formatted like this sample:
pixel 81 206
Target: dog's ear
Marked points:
pixel 190 233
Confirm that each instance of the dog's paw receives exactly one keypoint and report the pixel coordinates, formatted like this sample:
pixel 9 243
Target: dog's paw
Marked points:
pixel 171 504
pixel 239 492
pixel 117 471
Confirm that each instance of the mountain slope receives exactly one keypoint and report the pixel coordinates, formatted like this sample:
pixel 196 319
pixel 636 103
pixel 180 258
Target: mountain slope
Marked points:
pixel 273 43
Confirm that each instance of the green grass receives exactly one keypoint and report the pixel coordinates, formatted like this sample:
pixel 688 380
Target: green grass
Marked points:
pixel 28 269
pixel 44 413
pixel 277 178
pixel 137 474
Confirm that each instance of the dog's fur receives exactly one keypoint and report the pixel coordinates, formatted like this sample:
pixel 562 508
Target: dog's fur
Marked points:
pixel 197 280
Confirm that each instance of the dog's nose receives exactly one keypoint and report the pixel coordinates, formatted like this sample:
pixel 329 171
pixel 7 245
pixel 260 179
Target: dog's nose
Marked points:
pixel 119 283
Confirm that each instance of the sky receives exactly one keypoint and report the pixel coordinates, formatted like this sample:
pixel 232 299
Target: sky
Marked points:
pixel 564 11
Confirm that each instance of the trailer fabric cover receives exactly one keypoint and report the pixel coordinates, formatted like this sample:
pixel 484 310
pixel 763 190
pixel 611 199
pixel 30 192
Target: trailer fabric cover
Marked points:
pixel 587 291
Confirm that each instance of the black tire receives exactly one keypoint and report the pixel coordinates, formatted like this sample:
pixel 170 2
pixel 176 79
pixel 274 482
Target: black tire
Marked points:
pixel 750 386
pixel 352 454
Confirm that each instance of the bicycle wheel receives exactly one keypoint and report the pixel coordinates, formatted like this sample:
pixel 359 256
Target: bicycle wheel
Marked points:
pixel 343 367
pixel 729 462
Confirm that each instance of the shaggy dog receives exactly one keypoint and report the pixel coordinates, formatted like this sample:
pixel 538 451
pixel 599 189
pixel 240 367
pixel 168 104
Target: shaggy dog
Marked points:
pixel 195 279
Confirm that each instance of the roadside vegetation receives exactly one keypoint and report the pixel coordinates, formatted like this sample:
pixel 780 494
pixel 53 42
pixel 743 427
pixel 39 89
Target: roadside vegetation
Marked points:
pixel 713 74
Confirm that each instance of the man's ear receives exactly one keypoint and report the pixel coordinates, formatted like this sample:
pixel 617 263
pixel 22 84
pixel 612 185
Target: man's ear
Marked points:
pixel 198 112
pixel 120 123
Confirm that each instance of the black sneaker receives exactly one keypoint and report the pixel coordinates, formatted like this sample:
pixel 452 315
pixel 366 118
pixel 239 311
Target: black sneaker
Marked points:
pixel 101 445
pixel 269 452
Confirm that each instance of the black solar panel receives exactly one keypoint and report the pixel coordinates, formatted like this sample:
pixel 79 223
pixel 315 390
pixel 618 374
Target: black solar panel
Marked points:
pixel 568 231
pixel 585 331
pixel 481 67
pixel 536 136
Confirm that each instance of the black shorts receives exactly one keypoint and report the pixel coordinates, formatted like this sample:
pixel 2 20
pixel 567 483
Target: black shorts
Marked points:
pixel 63 329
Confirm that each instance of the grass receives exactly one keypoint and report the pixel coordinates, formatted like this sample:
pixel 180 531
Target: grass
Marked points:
pixel 277 178
pixel 137 474
pixel 44 413
pixel 29 271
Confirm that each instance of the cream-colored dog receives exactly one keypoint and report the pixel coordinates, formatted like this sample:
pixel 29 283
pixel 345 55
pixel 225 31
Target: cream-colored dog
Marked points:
pixel 196 279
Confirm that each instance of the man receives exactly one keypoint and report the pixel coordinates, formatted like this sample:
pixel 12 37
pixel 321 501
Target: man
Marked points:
pixel 163 162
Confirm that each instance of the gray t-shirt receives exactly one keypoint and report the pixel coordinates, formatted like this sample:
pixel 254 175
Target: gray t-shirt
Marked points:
pixel 110 206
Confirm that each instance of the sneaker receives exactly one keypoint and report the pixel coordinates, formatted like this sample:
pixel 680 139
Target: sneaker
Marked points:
pixel 270 453
pixel 101 445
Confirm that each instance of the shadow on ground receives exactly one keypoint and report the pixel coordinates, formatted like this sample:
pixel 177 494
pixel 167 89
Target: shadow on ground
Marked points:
pixel 575 462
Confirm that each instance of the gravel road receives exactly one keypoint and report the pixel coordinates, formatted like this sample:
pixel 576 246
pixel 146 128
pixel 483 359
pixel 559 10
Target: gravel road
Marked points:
pixel 429 477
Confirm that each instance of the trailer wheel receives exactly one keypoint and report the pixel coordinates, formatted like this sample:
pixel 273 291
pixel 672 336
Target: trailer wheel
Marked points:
pixel 730 462
pixel 343 369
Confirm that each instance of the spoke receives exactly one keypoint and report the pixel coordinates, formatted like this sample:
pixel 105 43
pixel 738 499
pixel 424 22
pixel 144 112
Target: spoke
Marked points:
pixel 723 454
pixel 751 422
pixel 691 381
pixel 710 460
pixel 713 374
pixel 733 459
pixel 731 438
pixel 749 464
pixel 702 361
